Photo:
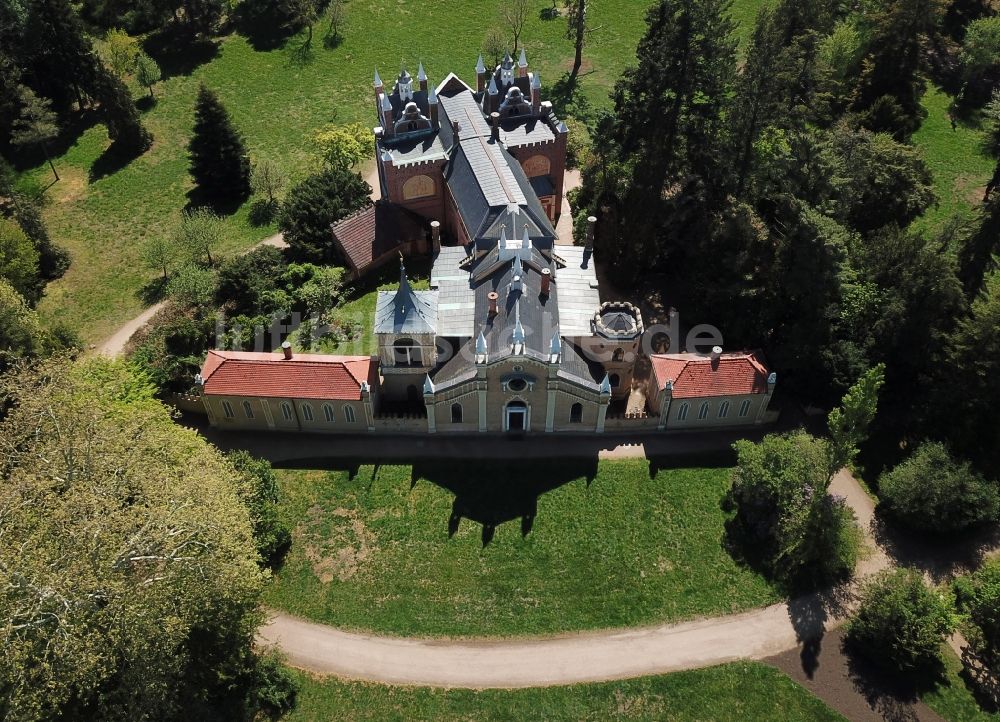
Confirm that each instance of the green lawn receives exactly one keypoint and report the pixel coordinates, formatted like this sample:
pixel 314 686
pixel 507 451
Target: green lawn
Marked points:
pixel 739 692
pixel 576 545
pixel 953 699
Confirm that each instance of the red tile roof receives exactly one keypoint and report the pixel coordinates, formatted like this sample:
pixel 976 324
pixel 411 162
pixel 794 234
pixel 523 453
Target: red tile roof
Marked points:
pixel 371 233
pixel 695 376
pixel 304 376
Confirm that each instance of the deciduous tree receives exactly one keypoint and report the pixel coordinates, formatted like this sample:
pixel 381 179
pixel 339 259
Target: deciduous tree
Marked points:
pixel 147 72
pixel 200 231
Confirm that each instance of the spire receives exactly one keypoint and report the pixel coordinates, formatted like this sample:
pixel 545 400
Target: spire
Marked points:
pixel 503 237
pixel 525 238
pixel 518 268
pixel 493 85
pixel 523 61
pixel 421 75
pixel 480 65
pixel 481 344
pixel 508 62
pixel 432 96
pixel 428 385
pixel 555 348
pixel 536 81
pixel 518 337
pixel 386 105
pixel 378 81
pixel 606 386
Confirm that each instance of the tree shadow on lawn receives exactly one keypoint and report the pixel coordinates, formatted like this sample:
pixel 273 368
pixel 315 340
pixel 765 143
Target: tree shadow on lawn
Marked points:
pixel 112 160
pixel 153 291
pixel 494 494
pixel 891 695
pixel 177 53
pixel 70 131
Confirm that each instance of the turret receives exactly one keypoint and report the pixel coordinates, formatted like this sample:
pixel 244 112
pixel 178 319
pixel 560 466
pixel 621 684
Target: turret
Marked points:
pixel 422 78
pixel 387 123
pixel 480 75
pixel 522 65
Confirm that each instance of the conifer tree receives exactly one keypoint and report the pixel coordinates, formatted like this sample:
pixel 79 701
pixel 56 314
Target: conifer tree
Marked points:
pixel 125 127
pixel 219 162
pixel 62 58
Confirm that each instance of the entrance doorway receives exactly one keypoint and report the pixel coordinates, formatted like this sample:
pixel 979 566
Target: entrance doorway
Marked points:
pixel 517 416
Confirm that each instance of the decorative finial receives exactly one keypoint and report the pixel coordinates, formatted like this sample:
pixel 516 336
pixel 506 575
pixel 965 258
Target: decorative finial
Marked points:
pixel 421 75
pixel 428 385
pixel 493 85
pixel 536 81
pixel 378 80
pixel 555 348
pixel 518 336
pixel 606 386
pixel 480 65
pixel 523 62
pixel 503 236
pixel 481 344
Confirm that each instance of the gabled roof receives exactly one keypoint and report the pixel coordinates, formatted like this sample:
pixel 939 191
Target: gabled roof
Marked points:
pixel 365 236
pixel 696 376
pixel 270 375
pixel 405 310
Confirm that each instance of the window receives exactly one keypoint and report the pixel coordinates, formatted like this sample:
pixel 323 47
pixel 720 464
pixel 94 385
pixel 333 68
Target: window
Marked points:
pixel 349 414
pixel 576 413
pixel 286 410
pixel 456 413
pixel 682 412
pixel 307 412
pixel 615 380
pixel 405 352
pixel 328 413
pixel 703 412
pixel 517 384
pixel 228 409
pixel 248 409
pixel 745 407
pixel 618 355
pixel 724 410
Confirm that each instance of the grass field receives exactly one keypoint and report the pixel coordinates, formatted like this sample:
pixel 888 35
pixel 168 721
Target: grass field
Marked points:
pixel 737 692
pixel 279 97
pixel 505 549
pixel 953 699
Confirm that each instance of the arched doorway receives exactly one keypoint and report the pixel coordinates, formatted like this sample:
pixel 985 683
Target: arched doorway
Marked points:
pixel 516 417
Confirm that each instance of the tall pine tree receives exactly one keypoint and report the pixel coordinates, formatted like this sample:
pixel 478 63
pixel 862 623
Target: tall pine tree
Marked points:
pixel 219 162
pixel 125 128
pixel 61 57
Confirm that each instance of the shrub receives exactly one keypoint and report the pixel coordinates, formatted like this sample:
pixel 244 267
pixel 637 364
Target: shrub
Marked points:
pixel 314 204
pixel 901 623
pixel 930 491
pixel 258 489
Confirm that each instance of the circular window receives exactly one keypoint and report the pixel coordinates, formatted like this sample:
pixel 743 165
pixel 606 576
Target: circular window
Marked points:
pixel 517 384
pixel 518 369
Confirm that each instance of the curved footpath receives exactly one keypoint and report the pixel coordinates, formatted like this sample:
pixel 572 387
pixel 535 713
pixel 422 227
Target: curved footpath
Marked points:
pixel 578 657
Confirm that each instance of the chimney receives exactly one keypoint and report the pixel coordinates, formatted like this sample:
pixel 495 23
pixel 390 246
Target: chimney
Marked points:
pixel 591 223
pixel 286 348
pixel 493 297
pixel 432 103
pixel 436 235
pixel 495 123
pixel 546 280
pixel 456 129
pixel 480 75
pixel 536 93
pixel 716 353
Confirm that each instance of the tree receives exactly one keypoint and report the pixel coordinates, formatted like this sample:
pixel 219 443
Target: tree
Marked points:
pixel 785 521
pixel 19 261
pixel 125 127
pixel 900 624
pixel 266 179
pixel 576 30
pixel 121 51
pixel 849 423
pixel 981 59
pixel 514 14
pixel 192 286
pixel 931 491
pixel 978 599
pixel 36 125
pixel 258 489
pixel 60 55
pixel 336 15
pixel 140 597
pixel 159 253
pixel 219 162
pixel 494 46
pixel 344 146
pixel 26 212
pixel 199 232
pixel 147 72
pixel 315 203
pixel 21 332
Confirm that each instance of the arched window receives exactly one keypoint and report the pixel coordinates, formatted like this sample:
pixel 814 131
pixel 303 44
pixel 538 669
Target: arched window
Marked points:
pixel 745 407
pixel 682 412
pixel 618 355
pixel 328 413
pixel 405 352
pixel 248 409
pixel 456 413
pixel 227 408
pixel 576 413
pixel 307 412
pixel 286 410
pixel 724 409
pixel 615 380
pixel 349 414
pixel 703 412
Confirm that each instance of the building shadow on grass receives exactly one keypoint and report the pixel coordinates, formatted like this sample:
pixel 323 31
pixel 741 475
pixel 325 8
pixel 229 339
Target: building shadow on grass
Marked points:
pixel 500 492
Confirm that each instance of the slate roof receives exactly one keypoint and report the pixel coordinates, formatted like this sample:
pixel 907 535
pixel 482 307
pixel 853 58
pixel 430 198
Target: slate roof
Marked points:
pixel 304 376
pixel 406 311
pixel 456 298
pixel 695 376
pixel 579 296
pixel 516 132
pixel 372 232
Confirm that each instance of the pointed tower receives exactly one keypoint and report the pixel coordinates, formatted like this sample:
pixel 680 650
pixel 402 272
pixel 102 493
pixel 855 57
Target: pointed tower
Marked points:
pixel 406 330
pixel 522 65
pixel 422 78
pixel 536 94
pixel 480 75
